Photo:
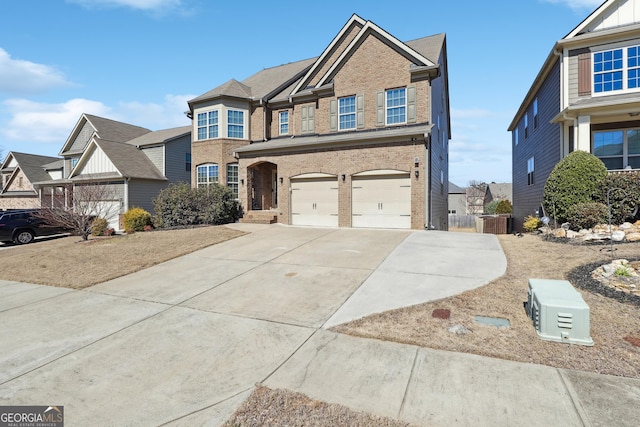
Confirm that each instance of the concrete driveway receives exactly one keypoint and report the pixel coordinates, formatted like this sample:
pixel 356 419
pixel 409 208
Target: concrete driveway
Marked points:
pixel 185 342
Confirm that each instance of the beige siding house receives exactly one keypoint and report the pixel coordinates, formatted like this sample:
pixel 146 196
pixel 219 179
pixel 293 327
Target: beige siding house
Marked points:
pixel 356 137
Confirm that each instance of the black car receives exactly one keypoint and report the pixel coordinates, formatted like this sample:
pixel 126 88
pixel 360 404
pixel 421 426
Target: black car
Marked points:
pixel 23 226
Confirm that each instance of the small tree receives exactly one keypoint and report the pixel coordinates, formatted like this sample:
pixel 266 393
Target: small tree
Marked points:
pixel 89 201
pixel 575 179
pixel 490 209
pixel 504 207
pixel 475 193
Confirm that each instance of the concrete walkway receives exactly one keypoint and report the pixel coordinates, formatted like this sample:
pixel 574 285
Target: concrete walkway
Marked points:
pixel 185 342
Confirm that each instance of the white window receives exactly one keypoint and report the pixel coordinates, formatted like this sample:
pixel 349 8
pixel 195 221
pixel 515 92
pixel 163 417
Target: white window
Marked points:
pixel 526 124
pixel 235 124
pixel 207 175
pixel 208 125
pixel 616 70
pixel 396 106
pixel 618 149
pixel 284 122
pixel 535 113
pixel 347 113
pixel 530 171
pixel 232 178
pixel 515 136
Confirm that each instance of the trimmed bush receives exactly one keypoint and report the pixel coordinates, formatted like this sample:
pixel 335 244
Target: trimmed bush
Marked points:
pixel 180 205
pixel 136 219
pixel 586 215
pixel 531 223
pixel 624 196
pixel 99 226
pixel 578 178
pixel 504 207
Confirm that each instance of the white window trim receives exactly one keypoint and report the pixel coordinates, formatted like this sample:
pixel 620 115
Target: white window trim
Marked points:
pixel 207 183
pixel 386 107
pixel 244 123
pixel 281 114
pixel 625 146
pixel 206 126
pixel 236 182
pixel 625 68
pixel 354 113
pixel 531 171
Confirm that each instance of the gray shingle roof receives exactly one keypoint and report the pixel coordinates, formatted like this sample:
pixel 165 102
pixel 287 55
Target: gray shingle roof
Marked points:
pixel 130 162
pixel 454 189
pixel 32 165
pixel 160 136
pixel 429 47
pixel 112 130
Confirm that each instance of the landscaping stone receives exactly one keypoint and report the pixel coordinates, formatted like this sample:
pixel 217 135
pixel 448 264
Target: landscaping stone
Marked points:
pixel 625 232
pixel 459 330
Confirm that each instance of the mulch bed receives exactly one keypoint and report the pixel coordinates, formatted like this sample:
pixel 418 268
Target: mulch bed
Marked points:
pixel 581 277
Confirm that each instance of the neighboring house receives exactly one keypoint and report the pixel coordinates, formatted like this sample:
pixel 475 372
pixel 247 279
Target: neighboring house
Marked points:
pixel 457 200
pixel 357 137
pixel 129 164
pixel 585 97
pixel 498 191
pixel 19 173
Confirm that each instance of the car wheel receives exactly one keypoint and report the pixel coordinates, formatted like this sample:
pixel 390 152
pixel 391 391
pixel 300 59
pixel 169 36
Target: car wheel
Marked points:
pixel 23 237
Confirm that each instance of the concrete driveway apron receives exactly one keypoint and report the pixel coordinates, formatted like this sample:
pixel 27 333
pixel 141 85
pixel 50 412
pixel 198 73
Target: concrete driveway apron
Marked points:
pixel 186 341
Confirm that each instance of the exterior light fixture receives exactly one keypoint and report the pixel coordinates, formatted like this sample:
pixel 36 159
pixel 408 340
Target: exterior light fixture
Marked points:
pixel 344 177
pixel 281 180
pixel 417 173
pixel 242 181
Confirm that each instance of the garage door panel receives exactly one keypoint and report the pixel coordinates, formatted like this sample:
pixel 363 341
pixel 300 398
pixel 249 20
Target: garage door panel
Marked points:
pixel 314 202
pixel 381 201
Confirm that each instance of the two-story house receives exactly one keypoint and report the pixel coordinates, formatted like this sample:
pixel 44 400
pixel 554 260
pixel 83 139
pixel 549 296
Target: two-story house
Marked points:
pixel 126 165
pixel 585 97
pixel 356 137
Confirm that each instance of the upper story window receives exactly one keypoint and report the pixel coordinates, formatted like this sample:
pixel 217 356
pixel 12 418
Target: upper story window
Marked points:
pixel 207 175
pixel 535 113
pixel 530 171
pixel 284 122
pixel 618 149
pixel 526 124
pixel 187 162
pixel 616 70
pixel 396 106
pixel 235 124
pixel 516 136
pixel 347 113
pixel 208 125
pixel 232 178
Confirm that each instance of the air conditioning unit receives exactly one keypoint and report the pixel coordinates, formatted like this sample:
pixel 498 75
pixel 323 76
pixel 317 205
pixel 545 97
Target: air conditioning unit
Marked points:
pixel 558 312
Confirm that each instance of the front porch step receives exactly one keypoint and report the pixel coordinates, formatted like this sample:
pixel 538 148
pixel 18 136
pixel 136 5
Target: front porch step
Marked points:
pixel 259 217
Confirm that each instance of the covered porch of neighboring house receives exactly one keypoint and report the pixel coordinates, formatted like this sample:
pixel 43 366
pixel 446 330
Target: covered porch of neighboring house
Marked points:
pixel 55 194
pixel 262 193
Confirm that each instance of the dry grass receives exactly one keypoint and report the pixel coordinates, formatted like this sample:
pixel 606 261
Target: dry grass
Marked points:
pixel 73 263
pixel 612 322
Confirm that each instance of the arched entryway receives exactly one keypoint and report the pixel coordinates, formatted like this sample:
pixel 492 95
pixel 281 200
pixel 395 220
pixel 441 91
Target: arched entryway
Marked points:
pixel 262 186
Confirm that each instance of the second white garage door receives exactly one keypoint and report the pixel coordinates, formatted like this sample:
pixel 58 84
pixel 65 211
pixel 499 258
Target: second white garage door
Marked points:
pixel 381 201
pixel 314 201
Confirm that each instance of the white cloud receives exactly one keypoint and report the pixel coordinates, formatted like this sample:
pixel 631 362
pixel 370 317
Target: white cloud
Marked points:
pixel 578 4
pixel 24 77
pixel 148 5
pixel 52 123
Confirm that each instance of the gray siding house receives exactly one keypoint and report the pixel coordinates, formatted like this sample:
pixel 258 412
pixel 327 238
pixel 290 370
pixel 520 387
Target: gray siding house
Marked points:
pixel 585 97
pixel 129 165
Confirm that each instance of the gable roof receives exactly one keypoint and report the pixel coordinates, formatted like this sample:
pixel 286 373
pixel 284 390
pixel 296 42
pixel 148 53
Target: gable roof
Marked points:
pixel 31 165
pixel 454 189
pixel 126 158
pixel 103 128
pixel 500 190
pixel 160 136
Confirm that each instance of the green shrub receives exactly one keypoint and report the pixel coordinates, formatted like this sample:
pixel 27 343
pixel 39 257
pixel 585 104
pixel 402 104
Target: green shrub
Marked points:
pixel 135 219
pixel 504 207
pixel 624 195
pixel 99 226
pixel 490 209
pixel 531 223
pixel 181 205
pixel 586 215
pixel 578 178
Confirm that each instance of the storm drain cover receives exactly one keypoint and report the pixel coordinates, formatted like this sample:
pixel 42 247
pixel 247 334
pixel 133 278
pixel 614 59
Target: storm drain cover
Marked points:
pixel 493 321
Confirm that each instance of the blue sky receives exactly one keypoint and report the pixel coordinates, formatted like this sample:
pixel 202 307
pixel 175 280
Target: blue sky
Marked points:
pixel 139 61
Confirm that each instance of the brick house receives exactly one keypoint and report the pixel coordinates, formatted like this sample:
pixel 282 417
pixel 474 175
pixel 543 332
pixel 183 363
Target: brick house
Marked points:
pixel 585 97
pixel 357 137
pixel 20 174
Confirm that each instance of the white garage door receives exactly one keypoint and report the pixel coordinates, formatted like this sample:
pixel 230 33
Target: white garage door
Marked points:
pixel 381 201
pixel 314 201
